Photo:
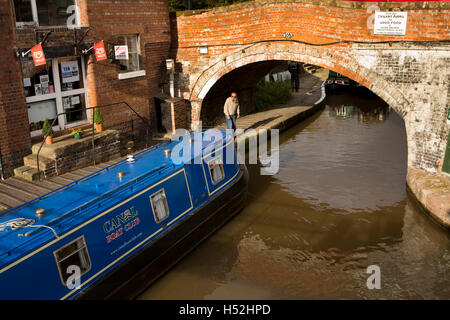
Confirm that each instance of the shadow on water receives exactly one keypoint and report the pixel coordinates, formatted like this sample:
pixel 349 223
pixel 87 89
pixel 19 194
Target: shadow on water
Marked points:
pixel 337 205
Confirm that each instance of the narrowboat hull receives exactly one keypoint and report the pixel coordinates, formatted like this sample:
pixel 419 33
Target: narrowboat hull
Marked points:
pixel 141 270
pixel 112 233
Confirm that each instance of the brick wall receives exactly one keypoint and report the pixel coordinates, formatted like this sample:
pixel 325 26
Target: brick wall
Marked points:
pixel 14 134
pixel 106 19
pixel 411 77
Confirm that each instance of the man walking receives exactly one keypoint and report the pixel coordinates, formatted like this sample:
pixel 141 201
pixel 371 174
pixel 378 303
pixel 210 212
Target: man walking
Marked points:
pixel 231 111
pixel 294 69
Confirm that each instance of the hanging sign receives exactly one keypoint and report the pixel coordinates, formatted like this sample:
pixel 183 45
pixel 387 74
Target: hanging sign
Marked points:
pixel 100 52
pixel 121 52
pixel 38 55
pixel 70 72
pixel 390 23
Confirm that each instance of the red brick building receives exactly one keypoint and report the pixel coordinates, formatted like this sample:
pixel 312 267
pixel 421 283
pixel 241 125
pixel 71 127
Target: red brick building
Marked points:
pixel 73 80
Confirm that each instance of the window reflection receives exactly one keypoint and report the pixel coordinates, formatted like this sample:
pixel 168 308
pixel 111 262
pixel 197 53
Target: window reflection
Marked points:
pixel 53 12
pixel 23 11
pixel 38 111
pixel 131 41
pixel 76 108
pixel 37 80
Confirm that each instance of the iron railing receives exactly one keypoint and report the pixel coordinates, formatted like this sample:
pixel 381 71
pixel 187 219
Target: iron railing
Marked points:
pixel 143 119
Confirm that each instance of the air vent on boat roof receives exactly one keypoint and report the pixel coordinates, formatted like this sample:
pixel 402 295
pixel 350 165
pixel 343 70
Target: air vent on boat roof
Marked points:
pixel 40 212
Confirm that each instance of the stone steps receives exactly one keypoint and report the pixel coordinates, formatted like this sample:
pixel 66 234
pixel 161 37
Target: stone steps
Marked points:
pixel 44 162
pixel 67 154
pixel 28 173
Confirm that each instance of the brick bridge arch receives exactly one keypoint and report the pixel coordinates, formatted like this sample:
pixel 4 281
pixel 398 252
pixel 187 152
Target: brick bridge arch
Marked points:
pixel 320 56
pixel 410 72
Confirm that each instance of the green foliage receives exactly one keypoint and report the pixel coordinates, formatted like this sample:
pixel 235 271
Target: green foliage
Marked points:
pixel 47 129
pixel 269 94
pixel 76 131
pixel 178 5
pixel 98 118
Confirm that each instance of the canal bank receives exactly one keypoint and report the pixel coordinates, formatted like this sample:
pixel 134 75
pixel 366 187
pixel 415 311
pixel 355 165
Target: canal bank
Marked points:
pixel 432 192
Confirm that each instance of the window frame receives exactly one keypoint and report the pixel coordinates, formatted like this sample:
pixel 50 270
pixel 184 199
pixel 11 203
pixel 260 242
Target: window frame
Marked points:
pixel 58 95
pixel 83 272
pixel 134 37
pixel 213 181
pixel 166 205
pixel 35 22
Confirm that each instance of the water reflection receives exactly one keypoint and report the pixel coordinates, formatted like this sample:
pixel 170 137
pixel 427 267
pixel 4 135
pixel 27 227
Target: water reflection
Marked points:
pixel 366 110
pixel 337 205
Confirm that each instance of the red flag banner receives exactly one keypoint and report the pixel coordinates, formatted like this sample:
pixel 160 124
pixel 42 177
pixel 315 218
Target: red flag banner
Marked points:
pixel 38 55
pixel 100 52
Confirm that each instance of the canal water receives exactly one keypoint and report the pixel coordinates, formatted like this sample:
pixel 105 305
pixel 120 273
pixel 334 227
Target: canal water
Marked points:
pixel 337 206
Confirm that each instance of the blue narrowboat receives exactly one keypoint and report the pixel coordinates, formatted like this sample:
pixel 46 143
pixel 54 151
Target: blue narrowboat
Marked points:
pixel 112 233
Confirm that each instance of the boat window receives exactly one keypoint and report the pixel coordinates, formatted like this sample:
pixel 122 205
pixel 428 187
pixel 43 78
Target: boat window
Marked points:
pixel 159 205
pixel 216 170
pixel 74 253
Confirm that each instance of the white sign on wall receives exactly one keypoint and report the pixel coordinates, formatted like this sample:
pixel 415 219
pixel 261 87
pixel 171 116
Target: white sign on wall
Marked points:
pixel 390 23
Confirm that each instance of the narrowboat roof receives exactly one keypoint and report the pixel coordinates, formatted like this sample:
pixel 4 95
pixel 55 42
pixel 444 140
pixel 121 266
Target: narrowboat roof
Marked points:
pixel 71 205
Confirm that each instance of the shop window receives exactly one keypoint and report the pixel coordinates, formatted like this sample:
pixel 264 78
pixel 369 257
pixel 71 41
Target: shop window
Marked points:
pixel 38 111
pixel 37 81
pixel 75 108
pixel 159 204
pixel 73 254
pixel 43 12
pixel 216 170
pixel 70 75
pixel 56 88
pixel 132 43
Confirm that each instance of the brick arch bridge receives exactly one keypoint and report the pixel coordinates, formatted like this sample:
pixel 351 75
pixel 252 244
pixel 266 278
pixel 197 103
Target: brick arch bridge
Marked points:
pixel 411 72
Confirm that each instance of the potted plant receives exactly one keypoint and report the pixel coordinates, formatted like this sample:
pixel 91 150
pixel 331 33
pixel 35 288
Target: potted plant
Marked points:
pixel 76 133
pixel 98 120
pixel 47 132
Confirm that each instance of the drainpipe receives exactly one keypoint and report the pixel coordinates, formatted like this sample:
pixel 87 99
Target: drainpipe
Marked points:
pixel 1 166
pixel 170 65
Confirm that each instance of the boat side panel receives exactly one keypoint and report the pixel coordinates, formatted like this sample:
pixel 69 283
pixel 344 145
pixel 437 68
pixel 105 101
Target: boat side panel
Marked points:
pixel 110 240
